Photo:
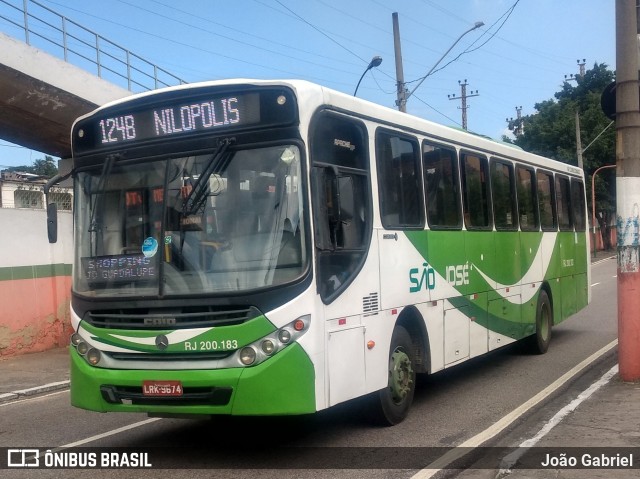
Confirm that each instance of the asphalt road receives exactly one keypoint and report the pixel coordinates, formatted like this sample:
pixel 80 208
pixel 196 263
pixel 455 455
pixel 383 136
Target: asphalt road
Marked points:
pixel 449 408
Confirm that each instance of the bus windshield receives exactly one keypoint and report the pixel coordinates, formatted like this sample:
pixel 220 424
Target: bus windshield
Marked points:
pixel 229 220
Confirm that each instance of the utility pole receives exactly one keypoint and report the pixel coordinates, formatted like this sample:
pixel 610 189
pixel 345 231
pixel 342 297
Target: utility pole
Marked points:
pixel 568 78
pixel 516 125
pixel 463 97
pixel 581 71
pixel 628 189
pixel 579 141
pixel 401 89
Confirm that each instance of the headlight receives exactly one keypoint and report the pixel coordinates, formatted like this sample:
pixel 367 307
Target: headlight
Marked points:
pixel 268 347
pixel 75 339
pixel 82 347
pixel 93 356
pixel 284 336
pixel 260 350
pixel 248 356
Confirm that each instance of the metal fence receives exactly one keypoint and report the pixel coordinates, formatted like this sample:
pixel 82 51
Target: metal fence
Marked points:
pixel 32 197
pixel 46 29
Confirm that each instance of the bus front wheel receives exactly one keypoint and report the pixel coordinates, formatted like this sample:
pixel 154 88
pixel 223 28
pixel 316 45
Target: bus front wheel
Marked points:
pixel 393 402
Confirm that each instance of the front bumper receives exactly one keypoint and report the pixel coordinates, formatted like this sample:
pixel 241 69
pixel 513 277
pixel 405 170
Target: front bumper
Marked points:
pixel 282 385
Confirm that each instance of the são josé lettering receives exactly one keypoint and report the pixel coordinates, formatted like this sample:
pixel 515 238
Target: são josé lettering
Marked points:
pixel 588 460
pixel 177 119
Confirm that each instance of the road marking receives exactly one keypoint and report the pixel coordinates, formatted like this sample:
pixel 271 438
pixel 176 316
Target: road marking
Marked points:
pixel 510 460
pixel 32 398
pixel 497 427
pixel 109 433
pixel 595 284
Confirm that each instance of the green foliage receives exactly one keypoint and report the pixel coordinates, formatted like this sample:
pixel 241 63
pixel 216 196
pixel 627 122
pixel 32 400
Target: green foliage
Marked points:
pixel 45 167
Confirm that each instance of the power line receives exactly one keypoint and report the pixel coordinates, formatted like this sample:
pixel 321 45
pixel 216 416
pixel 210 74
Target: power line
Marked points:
pixel 194 47
pixel 467 50
pixel 436 110
pixel 302 19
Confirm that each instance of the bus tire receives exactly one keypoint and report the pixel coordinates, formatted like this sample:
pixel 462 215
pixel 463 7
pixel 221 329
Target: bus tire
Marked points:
pixel 539 342
pixel 391 404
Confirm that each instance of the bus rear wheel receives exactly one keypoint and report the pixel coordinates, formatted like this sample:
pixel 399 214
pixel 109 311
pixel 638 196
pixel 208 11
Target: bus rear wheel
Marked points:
pixel 391 404
pixel 539 342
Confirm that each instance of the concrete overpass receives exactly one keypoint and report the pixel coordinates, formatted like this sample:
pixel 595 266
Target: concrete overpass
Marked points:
pixel 42 95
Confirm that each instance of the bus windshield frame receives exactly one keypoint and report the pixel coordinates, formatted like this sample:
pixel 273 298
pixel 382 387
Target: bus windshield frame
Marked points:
pixel 190 191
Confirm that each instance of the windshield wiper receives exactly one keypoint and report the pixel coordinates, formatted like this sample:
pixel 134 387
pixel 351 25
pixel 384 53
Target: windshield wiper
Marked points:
pixel 102 184
pixel 218 163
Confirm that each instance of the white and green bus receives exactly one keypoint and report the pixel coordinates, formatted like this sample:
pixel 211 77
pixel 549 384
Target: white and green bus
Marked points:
pixel 276 248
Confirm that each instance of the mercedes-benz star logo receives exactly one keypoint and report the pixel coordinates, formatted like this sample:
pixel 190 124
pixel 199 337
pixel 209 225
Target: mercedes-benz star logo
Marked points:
pixel 162 342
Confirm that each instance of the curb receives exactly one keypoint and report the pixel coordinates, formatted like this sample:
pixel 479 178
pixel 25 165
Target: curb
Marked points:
pixel 32 392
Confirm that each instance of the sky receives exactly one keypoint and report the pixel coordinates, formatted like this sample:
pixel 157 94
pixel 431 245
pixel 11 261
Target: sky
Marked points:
pixel 520 57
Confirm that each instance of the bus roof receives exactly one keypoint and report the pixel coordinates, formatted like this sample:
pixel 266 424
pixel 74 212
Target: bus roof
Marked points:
pixel 313 96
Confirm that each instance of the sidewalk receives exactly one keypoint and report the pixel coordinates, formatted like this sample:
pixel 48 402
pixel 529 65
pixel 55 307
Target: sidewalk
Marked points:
pixel 33 374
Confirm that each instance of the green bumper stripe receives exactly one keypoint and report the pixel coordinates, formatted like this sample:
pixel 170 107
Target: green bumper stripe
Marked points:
pixel 133 340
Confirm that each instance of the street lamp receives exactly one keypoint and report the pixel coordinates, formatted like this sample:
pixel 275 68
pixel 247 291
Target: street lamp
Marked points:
pixel 402 101
pixel 375 62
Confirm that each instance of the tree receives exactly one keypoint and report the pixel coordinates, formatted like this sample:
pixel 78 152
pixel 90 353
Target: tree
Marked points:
pixel 551 132
pixel 45 167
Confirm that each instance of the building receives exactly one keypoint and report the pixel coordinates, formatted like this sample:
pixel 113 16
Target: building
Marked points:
pixel 35 276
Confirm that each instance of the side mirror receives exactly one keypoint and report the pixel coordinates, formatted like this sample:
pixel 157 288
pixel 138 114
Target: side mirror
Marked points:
pixel 52 222
pixel 65 168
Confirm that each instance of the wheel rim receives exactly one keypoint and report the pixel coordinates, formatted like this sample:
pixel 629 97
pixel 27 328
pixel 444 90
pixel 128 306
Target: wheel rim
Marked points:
pixel 400 376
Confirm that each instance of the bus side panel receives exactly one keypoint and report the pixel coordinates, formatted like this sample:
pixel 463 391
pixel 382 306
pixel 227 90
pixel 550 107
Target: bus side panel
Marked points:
pixel 378 328
pixel 480 254
pixel 531 262
pixel 444 250
pixel 433 314
pixel 508 263
pixel 346 366
pixel 406 277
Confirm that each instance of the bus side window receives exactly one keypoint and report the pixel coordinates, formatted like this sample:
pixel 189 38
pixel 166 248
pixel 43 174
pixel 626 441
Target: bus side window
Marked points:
pixel 503 195
pixel 399 181
pixel 527 208
pixel 475 189
pixel 563 197
pixel 440 166
pixel 547 201
pixel 577 202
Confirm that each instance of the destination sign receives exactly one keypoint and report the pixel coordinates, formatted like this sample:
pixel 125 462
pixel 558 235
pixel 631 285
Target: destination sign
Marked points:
pixel 192 117
pixel 119 268
pixel 192 112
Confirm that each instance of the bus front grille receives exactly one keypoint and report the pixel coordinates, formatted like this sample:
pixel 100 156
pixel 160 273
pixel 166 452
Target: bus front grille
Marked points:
pixel 171 318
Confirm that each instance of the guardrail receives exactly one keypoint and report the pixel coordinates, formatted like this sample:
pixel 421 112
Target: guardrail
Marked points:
pixel 46 29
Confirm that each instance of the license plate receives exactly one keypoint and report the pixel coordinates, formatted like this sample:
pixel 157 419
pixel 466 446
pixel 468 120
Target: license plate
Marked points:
pixel 162 388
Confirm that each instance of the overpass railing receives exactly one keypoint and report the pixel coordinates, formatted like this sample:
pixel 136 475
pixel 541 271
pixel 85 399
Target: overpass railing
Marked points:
pixel 46 29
